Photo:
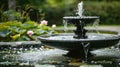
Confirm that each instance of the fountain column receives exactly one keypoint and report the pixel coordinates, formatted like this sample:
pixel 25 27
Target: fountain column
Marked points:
pixel 80 32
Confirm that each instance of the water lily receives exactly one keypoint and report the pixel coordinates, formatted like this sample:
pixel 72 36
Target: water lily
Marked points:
pixel 44 22
pixel 53 26
pixel 30 33
pixel 14 37
pixel 29 30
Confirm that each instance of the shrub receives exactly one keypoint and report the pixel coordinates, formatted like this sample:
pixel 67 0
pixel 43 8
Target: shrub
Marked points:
pixel 107 11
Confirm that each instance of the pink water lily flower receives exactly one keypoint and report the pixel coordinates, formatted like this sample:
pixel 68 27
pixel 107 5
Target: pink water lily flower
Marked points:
pixel 44 22
pixel 30 33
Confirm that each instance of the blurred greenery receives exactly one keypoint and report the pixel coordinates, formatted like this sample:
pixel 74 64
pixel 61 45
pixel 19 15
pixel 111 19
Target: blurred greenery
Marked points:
pixel 108 11
pixel 54 10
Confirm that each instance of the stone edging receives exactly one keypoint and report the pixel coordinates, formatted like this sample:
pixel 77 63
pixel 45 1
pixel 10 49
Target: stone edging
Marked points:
pixel 20 43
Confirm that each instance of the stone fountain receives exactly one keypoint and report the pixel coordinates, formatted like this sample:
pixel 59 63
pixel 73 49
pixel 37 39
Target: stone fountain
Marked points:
pixel 80 43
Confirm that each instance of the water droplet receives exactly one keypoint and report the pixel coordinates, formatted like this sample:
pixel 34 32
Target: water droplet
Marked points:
pixel 119 63
pixel 14 48
pixel 26 49
pixel 92 61
pixel 35 48
pixel 21 49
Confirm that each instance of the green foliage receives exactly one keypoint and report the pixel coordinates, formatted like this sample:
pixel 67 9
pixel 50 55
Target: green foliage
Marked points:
pixel 10 15
pixel 108 11
pixel 18 31
pixel 22 14
pixel 4 31
pixel 55 10
pixel 29 25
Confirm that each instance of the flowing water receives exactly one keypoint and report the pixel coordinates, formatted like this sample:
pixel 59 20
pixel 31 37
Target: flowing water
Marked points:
pixel 65 26
pixel 86 50
pixel 80 9
pixel 95 25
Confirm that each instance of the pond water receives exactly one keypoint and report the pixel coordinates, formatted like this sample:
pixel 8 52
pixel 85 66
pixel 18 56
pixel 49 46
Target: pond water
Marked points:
pixel 91 36
pixel 45 57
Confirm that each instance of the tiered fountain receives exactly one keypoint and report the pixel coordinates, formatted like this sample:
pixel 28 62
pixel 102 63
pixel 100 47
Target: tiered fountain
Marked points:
pixel 80 43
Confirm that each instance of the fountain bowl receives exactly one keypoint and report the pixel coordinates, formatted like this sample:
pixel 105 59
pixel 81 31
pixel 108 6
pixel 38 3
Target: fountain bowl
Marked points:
pixel 84 19
pixel 66 41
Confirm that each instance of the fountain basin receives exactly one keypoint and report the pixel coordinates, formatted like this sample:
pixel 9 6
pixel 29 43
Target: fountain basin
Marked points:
pixel 84 19
pixel 67 42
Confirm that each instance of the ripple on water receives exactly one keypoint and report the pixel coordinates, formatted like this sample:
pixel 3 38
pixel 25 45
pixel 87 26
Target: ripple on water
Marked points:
pixel 44 55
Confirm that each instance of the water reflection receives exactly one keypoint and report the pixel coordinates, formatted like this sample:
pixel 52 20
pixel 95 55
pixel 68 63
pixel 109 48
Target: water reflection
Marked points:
pixel 44 57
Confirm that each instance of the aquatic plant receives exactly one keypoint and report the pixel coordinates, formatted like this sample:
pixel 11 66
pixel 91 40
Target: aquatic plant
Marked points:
pixel 27 31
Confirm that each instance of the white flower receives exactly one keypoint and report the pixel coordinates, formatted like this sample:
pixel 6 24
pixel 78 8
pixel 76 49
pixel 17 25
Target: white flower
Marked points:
pixel 44 22
pixel 53 26
pixel 30 33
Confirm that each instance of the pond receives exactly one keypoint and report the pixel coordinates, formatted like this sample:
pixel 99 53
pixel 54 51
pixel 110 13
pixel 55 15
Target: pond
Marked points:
pixel 43 56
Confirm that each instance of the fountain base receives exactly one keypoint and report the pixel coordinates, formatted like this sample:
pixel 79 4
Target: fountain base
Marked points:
pixel 79 48
pixel 77 54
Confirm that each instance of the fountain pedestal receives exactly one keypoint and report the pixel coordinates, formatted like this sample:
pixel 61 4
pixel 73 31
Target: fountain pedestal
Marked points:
pixel 83 54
